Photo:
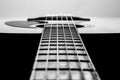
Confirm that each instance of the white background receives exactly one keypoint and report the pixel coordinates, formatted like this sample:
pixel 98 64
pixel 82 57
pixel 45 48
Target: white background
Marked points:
pixel 35 8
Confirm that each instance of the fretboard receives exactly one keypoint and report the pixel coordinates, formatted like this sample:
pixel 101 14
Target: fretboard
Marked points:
pixel 61 55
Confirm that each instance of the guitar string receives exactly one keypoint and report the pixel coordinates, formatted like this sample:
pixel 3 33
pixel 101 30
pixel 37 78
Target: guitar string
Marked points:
pixel 85 49
pixel 33 72
pixel 43 43
pixel 57 51
pixel 82 72
pixel 73 40
pixel 69 76
pixel 81 40
pixel 50 28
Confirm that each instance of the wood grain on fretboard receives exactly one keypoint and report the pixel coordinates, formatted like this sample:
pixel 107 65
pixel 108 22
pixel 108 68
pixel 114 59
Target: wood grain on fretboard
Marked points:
pixel 62 55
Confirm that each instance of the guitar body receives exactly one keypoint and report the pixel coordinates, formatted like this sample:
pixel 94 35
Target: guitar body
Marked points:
pixel 22 28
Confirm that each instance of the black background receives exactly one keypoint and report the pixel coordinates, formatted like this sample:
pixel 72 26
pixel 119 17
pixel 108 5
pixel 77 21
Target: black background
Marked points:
pixel 19 50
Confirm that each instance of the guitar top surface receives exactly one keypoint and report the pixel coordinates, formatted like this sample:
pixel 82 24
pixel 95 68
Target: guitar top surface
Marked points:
pixel 95 25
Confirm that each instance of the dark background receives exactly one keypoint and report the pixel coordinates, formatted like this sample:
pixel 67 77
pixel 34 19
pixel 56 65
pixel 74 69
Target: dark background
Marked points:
pixel 18 52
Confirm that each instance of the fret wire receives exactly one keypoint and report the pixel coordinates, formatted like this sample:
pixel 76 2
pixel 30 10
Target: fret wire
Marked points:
pixel 35 63
pixel 74 44
pixel 85 49
pixel 66 48
pixel 57 52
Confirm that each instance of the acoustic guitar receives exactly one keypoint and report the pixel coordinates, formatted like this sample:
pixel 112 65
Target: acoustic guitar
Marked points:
pixel 61 53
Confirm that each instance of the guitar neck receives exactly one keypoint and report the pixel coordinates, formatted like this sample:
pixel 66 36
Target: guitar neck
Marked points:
pixel 61 55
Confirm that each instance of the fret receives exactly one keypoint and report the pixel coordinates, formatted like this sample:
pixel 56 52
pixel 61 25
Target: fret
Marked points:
pixel 61 53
